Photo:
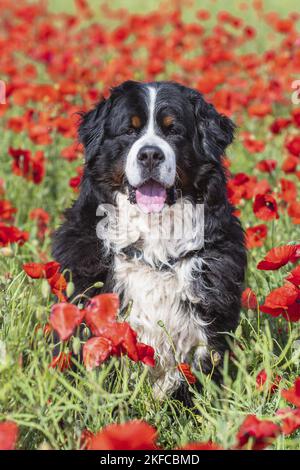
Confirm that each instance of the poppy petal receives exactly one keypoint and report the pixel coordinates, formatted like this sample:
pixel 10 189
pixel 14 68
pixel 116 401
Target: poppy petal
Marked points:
pixel 95 351
pixel 64 318
pixel 34 270
pixel 8 435
pixel 279 256
pixel 101 310
pixel 133 435
pixel 145 354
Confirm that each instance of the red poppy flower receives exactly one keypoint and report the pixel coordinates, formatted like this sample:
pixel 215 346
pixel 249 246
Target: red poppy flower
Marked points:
pixel 290 164
pixel 7 211
pixel 293 146
pixel 288 190
pixel 2 187
pixel 133 435
pixel 49 271
pixel 38 167
pixel 261 380
pixel 284 25
pixel 290 420
pixel 259 110
pixel 95 351
pixel 279 256
pixel 261 187
pixel 279 124
pixel 253 145
pixel 255 236
pixel 256 433
pixel 282 297
pixel 292 395
pixel 187 373
pixel 72 152
pixel 203 15
pixel 294 212
pixel 40 270
pixel 62 361
pixel 296 117
pixel 111 337
pixel 265 207
pixel 283 301
pixel 266 166
pixel 117 338
pixel 101 311
pixel 11 234
pixel 76 180
pixel 83 9
pixel 124 339
pixel 39 214
pixel 9 432
pixel 17 123
pixel 64 318
pixel 241 186
pixel 146 354
pixel 51 268
pixel 34 270
pixel 29 166
pixel 74 183
pixel 293 312
pixel 40 134
pixel 21 161
pixel 249 299
pixel 58 285
pixel 294 276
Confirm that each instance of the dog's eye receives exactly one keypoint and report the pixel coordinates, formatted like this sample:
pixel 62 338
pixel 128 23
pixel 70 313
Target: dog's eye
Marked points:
pixel 130 131
pixel 172 130
pixel 176 129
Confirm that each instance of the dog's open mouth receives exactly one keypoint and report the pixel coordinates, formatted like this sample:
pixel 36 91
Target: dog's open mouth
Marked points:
pixel 151 196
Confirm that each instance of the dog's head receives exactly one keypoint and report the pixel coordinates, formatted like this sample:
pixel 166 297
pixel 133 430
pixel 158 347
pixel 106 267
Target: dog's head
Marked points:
pixel 149 139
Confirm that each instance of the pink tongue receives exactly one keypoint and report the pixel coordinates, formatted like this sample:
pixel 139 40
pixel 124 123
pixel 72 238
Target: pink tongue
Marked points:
pixel 150 197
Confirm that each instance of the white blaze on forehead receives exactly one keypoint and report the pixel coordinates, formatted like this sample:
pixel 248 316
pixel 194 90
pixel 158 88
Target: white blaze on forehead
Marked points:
pixel 152 100
pixel 167 169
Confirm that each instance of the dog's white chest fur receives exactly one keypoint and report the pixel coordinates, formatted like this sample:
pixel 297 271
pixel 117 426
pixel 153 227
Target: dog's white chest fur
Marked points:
pixel 162 300
pixel 160 317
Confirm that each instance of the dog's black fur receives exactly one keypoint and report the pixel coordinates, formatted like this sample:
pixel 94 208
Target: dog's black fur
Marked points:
pixel 199 138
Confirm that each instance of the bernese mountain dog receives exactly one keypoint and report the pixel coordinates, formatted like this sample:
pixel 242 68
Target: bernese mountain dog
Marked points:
pixel 154 224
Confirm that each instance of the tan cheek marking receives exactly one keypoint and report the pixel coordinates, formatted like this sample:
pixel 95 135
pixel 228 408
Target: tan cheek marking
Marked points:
pixel 168 121
pixel 136 122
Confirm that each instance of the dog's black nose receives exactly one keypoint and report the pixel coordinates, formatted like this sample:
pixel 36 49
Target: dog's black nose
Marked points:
pixel 150 156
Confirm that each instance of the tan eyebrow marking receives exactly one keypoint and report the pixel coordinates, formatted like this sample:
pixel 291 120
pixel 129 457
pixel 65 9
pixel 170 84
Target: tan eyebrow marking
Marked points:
pixel 136 122
pixel 168 121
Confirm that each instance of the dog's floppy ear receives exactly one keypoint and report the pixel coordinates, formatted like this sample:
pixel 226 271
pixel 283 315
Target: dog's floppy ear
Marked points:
pixel 91 128
pixel 214 131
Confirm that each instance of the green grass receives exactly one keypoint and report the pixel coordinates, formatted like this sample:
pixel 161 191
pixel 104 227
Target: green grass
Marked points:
pixel 52 408
pixel 212 6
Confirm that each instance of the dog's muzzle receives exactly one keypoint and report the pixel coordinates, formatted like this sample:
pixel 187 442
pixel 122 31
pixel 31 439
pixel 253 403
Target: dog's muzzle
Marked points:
pixel 151 196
